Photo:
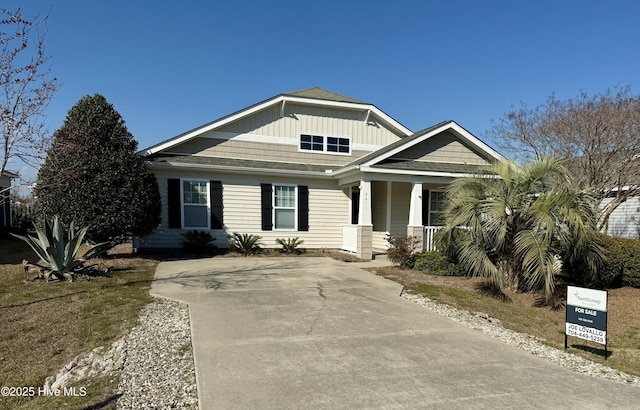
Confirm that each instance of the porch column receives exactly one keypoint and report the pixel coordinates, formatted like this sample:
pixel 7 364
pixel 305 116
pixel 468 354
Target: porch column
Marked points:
pixel 365 225
pixel 414 227
pixel 364 218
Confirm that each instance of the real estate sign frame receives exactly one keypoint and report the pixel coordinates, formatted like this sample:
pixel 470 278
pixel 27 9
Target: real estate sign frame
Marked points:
pixel 586 315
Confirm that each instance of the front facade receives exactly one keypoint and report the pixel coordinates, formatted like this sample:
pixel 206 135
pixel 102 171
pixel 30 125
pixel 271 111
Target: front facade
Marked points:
pixel 333 171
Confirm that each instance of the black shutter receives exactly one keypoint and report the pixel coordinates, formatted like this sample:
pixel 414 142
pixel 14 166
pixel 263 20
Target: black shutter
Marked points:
pixel 303 208
pixel 215 198
pixel 173 203
pixel 267 208
pixel 425 207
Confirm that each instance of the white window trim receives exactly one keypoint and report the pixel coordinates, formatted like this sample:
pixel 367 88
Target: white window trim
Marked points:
pixel 431 191
pixel 325 139
pixel 182 204
pixel 274 207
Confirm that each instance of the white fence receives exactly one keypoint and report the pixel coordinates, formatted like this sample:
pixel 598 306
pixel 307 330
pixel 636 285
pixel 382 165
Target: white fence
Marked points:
pixel 428 243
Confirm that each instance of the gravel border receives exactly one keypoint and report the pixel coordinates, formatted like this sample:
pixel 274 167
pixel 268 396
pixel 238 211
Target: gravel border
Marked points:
pixel 531 344
pixel 159 371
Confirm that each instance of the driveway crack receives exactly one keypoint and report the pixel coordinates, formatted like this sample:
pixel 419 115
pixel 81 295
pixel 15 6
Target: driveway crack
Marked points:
pixel 319 312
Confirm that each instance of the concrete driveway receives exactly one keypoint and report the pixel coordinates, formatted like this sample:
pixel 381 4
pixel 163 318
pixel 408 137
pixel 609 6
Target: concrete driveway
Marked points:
pixel 294 333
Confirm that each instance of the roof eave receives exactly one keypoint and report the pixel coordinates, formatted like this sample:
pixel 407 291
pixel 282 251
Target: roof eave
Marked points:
pixel 235 169
pixel 282 98
pixel 464 134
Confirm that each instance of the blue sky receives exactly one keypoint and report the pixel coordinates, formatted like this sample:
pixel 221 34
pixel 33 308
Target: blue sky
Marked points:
pixel 170 66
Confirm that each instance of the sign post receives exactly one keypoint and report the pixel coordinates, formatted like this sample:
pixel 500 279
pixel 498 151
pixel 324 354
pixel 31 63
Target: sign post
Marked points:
pixel 586 316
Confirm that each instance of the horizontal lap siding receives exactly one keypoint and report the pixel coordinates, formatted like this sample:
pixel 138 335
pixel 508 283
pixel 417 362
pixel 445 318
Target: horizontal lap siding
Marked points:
pixel 400 200
pixel 624 222
pixel 328 211
pixel 379 205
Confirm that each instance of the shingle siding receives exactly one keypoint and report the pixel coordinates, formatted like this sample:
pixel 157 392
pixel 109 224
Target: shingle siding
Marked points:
pixel 444 147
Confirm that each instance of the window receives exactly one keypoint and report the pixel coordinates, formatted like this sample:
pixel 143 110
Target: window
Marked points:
pixel 436 207
pixel 331 145
pixel 311 142
pixel 195 202
pixel 284 209
pixel 335 144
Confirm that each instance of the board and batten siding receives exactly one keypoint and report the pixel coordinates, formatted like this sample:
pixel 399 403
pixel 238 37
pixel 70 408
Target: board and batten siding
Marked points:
pixel 328 211
pixel 444 147
pixel 624 221
pixel 302 119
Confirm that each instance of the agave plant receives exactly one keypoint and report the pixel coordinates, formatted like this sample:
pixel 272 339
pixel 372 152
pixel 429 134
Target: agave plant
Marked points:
pixel 245 243
pixel 290 246
pixel 58 247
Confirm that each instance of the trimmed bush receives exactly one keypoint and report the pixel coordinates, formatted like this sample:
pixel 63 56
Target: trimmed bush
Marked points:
pixel 623 262
pixel 401 250
pixel 621 267
pixel 436 263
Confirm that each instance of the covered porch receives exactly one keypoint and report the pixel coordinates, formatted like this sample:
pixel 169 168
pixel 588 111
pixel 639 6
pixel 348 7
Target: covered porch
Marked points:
pixel 399 189
pixel 380 208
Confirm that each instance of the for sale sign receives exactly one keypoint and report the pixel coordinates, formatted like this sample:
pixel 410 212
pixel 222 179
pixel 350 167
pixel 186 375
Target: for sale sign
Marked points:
pixel 587 314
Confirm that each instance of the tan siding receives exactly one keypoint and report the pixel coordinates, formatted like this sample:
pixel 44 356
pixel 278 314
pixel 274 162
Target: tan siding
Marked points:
pixel 379 241
pixel 328 211
pixel 301 119
pixel 624 221
pixel 444 147
pixel 379 205
pixel 211 147
pixel 400 200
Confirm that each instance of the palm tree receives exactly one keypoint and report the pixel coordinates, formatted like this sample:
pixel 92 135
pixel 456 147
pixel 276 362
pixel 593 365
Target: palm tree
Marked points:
pixel 516 224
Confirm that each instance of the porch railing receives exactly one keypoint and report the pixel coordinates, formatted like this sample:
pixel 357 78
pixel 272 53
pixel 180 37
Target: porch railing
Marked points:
pixel 429 232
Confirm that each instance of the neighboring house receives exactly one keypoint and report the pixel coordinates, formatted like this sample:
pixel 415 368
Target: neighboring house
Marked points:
pixel 331 170
pixel 624 221
pixel 5 199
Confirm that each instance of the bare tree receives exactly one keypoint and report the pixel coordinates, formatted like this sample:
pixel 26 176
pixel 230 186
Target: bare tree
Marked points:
pixel 598 136
pixel 25 88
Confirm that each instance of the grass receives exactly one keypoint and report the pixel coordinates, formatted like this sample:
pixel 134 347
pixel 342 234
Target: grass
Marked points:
pixel 45 325
pixel 520 313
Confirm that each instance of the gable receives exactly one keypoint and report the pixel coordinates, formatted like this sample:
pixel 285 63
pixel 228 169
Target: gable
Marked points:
pixel 289 115
pixel 296 119
pixel 443 147
pixel 274 134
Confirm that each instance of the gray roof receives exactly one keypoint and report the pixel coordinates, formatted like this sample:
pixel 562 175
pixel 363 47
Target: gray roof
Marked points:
pixel 322 94
pixel 240 163
pixel 434 167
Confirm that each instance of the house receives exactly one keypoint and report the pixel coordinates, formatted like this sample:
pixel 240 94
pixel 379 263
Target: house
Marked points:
pixel 328 169
pixel 624 221
pixel 5 199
